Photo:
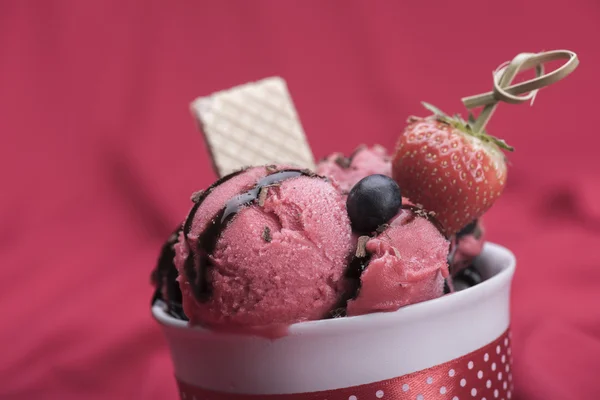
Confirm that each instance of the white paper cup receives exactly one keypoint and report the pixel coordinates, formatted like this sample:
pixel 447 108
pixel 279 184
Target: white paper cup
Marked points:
pixel 424 348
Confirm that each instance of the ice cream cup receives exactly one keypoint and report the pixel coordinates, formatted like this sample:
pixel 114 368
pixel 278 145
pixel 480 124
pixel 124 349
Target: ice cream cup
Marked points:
pixel 454 347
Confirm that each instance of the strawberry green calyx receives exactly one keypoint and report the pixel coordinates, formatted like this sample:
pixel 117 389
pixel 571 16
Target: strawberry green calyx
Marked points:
pixel 466 126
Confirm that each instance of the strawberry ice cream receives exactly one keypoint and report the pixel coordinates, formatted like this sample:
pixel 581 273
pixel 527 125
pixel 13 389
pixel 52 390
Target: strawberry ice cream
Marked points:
pixel 405 263
pixel 265 246
pixel 269 246
pixel 345 172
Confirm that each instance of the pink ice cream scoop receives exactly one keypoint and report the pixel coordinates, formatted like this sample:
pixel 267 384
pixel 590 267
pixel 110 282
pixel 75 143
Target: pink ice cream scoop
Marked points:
pixel 405 263
pixel 466 245
pixel 264 247
pixel 345 172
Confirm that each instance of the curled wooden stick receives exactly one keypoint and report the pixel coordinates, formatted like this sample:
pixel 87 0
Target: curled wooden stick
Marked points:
pixel 514 94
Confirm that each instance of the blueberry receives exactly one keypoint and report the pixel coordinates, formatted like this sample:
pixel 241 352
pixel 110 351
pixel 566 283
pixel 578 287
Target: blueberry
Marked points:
pixel 373 201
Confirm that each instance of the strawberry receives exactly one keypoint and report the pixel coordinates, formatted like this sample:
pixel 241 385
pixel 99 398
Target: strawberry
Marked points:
pixel 443 165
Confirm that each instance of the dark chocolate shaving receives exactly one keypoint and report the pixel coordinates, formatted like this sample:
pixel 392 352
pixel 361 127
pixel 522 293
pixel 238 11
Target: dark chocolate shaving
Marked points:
pixel 356 151
pixel 346 162
pixel 196 196
pixel 342 162
pixel 310 173
pixel 266 235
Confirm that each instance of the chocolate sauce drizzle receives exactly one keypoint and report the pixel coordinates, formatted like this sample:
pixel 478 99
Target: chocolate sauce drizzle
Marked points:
pixel 356 266
pixel 198 200
pixel 207 240
pixel 164 278
pixel 189 266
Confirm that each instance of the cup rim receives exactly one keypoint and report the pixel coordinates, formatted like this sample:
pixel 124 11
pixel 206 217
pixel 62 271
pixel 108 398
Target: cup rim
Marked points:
pixel 378 320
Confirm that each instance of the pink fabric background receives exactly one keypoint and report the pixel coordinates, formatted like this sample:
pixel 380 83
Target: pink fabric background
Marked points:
pixel 99 156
